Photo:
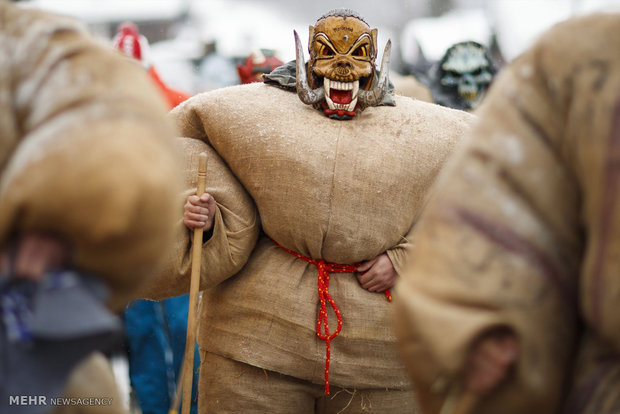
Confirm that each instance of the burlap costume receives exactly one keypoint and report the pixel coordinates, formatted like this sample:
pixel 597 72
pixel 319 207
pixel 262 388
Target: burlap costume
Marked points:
pixel 524 232
pixel 342 191
pixel 86 154
pixel 85 149
pixel 408 85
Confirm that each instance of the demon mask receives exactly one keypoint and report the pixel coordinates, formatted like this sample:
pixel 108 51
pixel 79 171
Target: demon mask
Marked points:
pixel 463 76
pixel 340 78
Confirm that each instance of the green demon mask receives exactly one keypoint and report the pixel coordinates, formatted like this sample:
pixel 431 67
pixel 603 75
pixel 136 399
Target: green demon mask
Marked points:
pixel 464 74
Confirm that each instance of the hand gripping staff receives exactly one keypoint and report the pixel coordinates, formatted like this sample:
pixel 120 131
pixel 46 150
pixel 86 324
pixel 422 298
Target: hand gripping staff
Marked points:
pixel 190 344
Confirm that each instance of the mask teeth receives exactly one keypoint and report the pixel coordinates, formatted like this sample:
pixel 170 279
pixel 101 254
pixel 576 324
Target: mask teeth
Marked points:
pixel 355 87
pixel 327 86
pixel 341 86
pixel 351 107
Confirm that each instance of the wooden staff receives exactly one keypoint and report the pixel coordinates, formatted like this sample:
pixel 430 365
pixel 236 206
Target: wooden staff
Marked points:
pixel 188 363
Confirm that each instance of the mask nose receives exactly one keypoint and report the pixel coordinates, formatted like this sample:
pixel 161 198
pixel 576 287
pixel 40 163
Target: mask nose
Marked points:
pixel 468 88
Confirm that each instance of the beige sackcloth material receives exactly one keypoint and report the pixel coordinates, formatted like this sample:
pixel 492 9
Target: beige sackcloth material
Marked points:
pixel 86 154
pixel 342 191
pixel 86 151
pixel 524 230
pixel 233 387
pixel 408 85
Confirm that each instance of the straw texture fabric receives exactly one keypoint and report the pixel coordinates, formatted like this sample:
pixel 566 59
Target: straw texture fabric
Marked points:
pixel 523 231
pixel 341 191
pixel 85 149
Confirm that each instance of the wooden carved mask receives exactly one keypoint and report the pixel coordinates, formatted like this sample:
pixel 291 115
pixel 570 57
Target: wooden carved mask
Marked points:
pixel 340 77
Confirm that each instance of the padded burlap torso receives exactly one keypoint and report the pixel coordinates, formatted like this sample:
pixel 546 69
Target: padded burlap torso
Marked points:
pixel 339 191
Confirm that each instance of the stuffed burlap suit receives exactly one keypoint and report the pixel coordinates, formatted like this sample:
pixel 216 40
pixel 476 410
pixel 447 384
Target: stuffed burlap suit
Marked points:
pixel 338 191
pixel 79 149
pixel 86 155
pixel 523 232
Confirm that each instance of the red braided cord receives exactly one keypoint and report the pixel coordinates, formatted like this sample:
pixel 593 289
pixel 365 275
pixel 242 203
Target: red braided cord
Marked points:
pixel 323 287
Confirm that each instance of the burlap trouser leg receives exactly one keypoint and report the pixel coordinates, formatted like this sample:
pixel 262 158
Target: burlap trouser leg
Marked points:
pixel 229 386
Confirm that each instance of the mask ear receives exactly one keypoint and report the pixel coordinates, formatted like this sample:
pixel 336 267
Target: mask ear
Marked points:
pixel 373 34
pixel 310 37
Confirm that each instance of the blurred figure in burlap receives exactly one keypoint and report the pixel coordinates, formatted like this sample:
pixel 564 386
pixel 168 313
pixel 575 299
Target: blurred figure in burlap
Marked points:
pixel 510 296
pixel 409 85
pixel 87 205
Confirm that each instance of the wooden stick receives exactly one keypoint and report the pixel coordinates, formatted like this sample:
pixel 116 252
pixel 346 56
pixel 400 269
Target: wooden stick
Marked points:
pixel 188 363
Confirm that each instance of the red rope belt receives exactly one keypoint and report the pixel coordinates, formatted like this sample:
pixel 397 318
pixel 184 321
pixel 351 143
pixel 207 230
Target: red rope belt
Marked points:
pixel 324 296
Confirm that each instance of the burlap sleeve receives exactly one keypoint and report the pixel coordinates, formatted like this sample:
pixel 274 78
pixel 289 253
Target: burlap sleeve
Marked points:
pixel 398 253
pixel 94 163
pixel 235 229
pixel 495 248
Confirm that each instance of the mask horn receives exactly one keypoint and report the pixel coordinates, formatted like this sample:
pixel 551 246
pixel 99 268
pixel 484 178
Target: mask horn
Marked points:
pixel 376 95
pixel 306 95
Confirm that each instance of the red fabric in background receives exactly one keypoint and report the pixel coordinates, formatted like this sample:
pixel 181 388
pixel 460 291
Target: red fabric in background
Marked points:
pixel 172 96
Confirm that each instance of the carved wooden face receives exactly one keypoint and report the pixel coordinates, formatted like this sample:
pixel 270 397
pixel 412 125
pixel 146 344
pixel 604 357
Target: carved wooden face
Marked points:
pixel 342 60
pixel 342 49
pixel 340 78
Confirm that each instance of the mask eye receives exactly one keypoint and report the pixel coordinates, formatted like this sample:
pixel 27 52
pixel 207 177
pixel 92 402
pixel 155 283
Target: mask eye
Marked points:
pixel 361 51
pixel 325 50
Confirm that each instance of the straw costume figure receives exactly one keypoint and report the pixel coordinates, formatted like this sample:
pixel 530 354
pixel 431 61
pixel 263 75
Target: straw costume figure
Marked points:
pixel 308 219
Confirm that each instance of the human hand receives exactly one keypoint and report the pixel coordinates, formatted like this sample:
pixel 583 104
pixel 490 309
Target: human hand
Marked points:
pixel 378 274
pixel 199 212
pixel 490 360
pixel 35 255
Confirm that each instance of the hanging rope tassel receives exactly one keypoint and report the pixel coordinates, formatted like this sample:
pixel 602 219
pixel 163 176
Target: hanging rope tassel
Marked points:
pixel 324 269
